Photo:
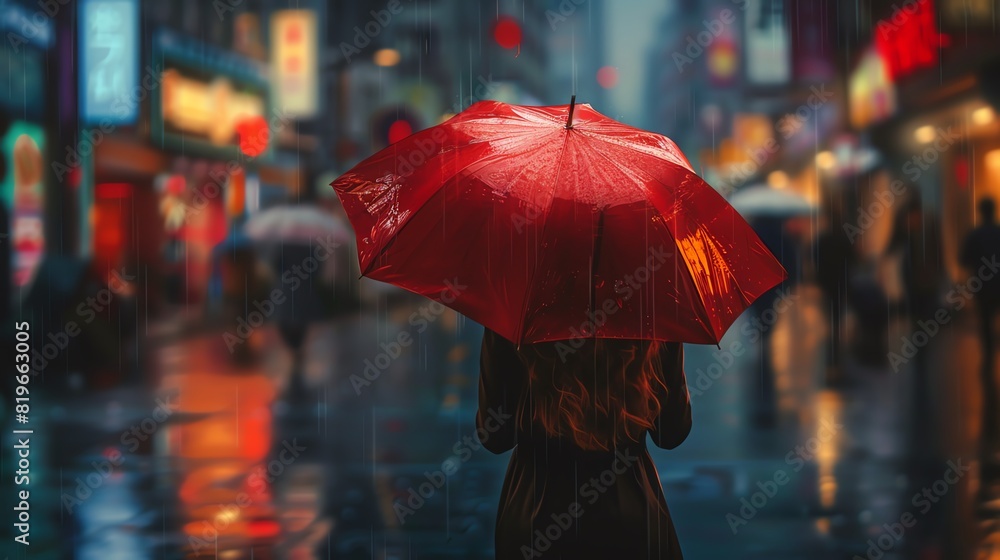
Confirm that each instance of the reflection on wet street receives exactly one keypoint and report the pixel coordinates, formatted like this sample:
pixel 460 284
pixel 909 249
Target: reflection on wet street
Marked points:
pixel 219 457
pixel 230 460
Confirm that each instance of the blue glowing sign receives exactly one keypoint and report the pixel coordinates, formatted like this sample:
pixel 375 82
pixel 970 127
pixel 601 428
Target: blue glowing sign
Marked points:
pixel 109 61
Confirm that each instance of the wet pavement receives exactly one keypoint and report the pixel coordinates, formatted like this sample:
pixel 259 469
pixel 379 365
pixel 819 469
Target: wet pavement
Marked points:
pixel 224 460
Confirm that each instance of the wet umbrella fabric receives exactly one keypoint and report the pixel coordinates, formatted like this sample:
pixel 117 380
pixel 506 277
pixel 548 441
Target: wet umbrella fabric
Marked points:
pixel 543 230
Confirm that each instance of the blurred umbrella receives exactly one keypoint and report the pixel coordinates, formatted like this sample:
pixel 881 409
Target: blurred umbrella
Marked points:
pixel 764 201
pixel 554 223
pixel 295 223
pixel 236 242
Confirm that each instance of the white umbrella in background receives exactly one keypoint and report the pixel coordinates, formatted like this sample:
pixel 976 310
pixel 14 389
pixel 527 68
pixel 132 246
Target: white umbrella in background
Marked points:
pixel 296 224
pixel 767 202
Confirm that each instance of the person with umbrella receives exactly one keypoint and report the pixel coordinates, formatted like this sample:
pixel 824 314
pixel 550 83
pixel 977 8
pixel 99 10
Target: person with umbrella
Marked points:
pixel 590 251
pixel 770 212
pixel 298 237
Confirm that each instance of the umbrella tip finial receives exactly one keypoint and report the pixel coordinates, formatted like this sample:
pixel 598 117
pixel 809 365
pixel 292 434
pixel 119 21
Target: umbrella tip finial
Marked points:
pixel 572 106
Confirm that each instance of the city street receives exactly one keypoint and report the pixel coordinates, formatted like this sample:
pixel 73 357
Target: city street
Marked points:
pixel 240 465
pixel 250 251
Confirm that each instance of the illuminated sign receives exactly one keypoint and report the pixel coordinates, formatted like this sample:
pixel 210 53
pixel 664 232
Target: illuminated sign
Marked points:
pixel 109 60
pixel 294 62
pixel 23 190
pixel 872 93
pixel 767 43
pixel 723 56
pixel 210 102
pixel 908 40
pixel 213 110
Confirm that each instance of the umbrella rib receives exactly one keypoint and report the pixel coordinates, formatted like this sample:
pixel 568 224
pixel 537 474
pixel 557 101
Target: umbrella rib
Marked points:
pixel 541 238
pixel 702 309
pixel 385 246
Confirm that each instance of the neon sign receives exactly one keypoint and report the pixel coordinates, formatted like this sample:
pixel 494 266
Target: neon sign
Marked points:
pixel 909 40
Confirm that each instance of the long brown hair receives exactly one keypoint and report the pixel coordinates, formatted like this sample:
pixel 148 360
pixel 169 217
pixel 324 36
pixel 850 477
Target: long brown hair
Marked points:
pixel 603 393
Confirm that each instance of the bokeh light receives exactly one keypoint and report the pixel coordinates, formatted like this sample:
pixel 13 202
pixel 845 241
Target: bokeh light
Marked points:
pixel 507 33
pixel 924 134
pixel 983 115
pixel 399 130
pixel 607 77
pixel 826 160
pixel 386 57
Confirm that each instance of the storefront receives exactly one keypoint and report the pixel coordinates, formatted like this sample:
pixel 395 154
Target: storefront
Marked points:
pixel 23 145
pixel 167 191
pixel 917 94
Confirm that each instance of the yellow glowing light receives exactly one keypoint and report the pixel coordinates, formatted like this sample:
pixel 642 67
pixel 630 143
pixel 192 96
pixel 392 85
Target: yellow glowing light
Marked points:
pixel 778 179
pixel 209 108
pixel 387 57
pixel 924 134
pixel 826 160
pixel 993 159
pixel 983 116
pixel 227 516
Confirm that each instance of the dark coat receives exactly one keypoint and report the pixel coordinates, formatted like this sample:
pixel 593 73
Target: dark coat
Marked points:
pixel 300 301
pixel 979 248
pixel 560 501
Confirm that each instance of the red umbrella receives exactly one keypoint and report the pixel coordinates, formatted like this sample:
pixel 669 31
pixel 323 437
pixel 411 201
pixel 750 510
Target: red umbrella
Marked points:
pixel 555 223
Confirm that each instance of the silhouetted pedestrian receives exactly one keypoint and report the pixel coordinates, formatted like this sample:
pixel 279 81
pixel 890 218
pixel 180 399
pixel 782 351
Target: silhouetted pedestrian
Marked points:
pixel 834 265
pixel 980 250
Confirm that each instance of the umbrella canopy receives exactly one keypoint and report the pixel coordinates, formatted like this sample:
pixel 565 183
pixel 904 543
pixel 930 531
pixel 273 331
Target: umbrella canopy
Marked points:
pixel 296 223
pixel 556 223
pixel 765 201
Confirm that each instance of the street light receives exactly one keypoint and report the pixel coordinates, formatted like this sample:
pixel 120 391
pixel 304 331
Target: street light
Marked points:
pixel 386 57
pixel 924 134
pixel 983 115
pixel 778 179
pixel 826 160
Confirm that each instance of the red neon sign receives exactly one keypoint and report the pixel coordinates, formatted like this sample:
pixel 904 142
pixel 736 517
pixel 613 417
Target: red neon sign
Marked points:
pixel 909 40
